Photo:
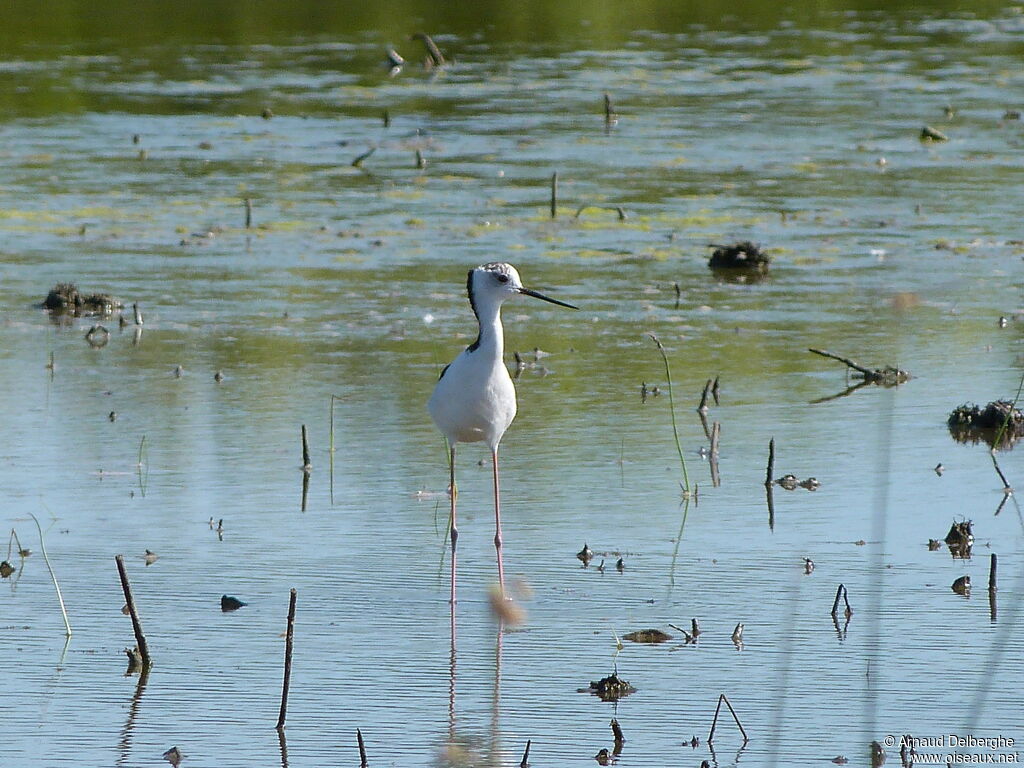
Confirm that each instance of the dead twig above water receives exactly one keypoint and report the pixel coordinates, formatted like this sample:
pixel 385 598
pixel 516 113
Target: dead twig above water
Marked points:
pixel 886 377
pixel 841 592
pixel 711 735
pixel 289 637
pixel 140 638
pixel 358 162
pixel 436 57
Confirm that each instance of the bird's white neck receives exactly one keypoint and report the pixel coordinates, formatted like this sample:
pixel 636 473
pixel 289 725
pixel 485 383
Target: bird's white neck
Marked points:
pixel 491 341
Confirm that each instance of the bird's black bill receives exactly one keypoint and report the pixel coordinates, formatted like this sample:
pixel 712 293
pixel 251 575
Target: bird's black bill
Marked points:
pixel 528 292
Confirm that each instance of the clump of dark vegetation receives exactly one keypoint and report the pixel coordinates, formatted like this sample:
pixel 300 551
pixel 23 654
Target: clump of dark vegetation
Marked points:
pixel 973 424
pixel 611 688
pixel 65 298
pixel 745 256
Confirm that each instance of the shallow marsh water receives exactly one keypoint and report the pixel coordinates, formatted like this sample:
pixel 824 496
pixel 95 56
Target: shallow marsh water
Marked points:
pixel 770 128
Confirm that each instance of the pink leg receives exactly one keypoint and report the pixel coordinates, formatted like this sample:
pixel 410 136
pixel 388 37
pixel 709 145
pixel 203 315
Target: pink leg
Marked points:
pixel 454 532
pixel 497 521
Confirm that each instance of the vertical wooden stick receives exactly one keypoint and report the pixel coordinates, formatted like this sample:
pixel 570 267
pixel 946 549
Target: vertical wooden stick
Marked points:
pixel 992 573
pixel 771 463
pixel 140 638
pixel 287 660
pixel 554 195
pixel 526 755
pixel 306 463
pixel 248 213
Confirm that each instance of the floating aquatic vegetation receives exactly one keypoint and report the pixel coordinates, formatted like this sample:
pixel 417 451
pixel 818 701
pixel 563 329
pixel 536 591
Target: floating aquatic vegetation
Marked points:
pixel 973 424
pixel 745 256
pixel 647 636
pixel 66 298
pixel 611 688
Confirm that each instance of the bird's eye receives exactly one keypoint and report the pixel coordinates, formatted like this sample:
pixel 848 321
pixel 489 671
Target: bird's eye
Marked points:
pixel 502 278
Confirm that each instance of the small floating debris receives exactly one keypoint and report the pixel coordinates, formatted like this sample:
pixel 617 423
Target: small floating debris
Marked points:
pixel 934 545
pixel 737 635
pixel 877 755
pixel 960 539
pixel 66 298
pixel 962 586
pixel 647 636
pixel 228 603
pixel 840 760
pixel 933 134
pixel 97 336
pixel 611 688
pixel 585 555
pixel 395 61
pixel 972 423
pixel 745 256
pixel 151 557
pixel 604 757
pixel 135 661
pixel 939 469
pixel 6 569
pixel 173 756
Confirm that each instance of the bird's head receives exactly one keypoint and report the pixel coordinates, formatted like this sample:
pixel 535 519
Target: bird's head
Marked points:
pixel 498 281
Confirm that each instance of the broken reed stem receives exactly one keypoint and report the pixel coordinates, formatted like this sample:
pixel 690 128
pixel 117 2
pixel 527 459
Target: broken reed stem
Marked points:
pixel 526 755
pixel 845 360
pixel 248 213
pixel 992 573
pixel 140 638
pixel 554 195
pixel 609 112
pixel 703 407
pixel 359 160
pixel 306 463
pixel 142 448
pixel 841 592
pixel 771 463
pixel 1004 425
pixel 289 635
pixel 56 586
pixel 716 432
pixel 722 697
pixel 1006 484
pixel 362 749
pixel 672 411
